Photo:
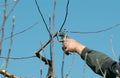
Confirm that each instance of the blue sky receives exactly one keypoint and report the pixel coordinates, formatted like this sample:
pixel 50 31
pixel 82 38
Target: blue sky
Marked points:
pixel 83 16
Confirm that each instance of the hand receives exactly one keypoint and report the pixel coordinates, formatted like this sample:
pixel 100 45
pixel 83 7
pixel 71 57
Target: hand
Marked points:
pixel 71 45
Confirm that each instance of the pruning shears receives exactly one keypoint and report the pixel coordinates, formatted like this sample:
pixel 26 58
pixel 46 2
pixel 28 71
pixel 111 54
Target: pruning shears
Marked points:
pixel 62 36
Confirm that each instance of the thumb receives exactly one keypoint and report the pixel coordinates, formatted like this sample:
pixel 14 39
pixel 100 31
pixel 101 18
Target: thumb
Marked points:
pixel 63 40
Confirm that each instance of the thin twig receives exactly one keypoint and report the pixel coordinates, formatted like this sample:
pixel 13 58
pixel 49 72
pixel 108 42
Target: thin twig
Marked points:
pixel 11 42
pixel 30 27
pixel 41 59
pixel 66 15
pixel 40 67
pixel 2 27
pixel 46 43
pixel 52 40
pixel 2 4
pixel 3 64
pixel 12 9
pixel 113 51
pixel 18 58
pixel 62 67
pixel 49 63
pixel 8 3
pixel 83 73
pixel 42 17
pixel 53 17
pixel 119 60
pixel 103 73
pixel 70 66
pixel 94 32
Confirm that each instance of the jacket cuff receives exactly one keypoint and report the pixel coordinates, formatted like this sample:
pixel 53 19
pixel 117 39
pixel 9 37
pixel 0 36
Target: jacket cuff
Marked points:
pixel 84 52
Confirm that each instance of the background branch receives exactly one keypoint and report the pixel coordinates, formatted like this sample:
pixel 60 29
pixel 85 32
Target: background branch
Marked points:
pixel 30 27
pixel 4 21
pixel 113 51
pixel 3 26
pixel 11 42
pixel 18 58
pixel 70 66
pixel 62 67
pixel 12 9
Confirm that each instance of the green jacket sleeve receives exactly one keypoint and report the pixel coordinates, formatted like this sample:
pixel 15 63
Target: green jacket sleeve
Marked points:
pixel 98 62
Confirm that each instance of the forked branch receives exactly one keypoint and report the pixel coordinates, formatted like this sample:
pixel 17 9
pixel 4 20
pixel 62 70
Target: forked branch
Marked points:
pixel 48 62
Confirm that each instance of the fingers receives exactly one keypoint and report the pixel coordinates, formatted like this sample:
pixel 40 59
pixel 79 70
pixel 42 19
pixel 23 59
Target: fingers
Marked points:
pixel 64 48
pixel 65 44
pixel 66 51
pixel 61 41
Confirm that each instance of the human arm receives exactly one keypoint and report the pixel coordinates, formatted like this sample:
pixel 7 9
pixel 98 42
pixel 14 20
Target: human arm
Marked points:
pixel 99 62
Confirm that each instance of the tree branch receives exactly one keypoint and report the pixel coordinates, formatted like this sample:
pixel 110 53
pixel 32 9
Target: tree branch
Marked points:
pixel 9 75
pixel 42 17
pixel 94 32
pixel 28 28
pixel 66 15
pixel 48 62
pixel 45 44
